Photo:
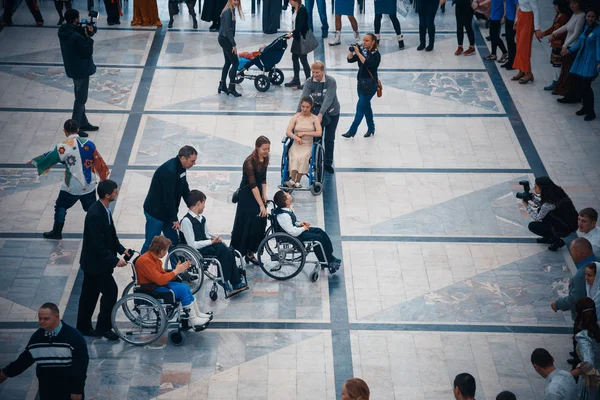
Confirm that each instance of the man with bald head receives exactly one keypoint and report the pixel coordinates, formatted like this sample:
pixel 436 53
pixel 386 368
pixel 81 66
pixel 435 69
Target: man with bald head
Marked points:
pixel 582 254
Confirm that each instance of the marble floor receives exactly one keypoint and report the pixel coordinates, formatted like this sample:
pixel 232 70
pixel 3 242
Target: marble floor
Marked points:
pixel 440 274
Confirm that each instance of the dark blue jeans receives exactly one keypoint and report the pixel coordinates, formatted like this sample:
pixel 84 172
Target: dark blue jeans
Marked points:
pixel 363 109
pixel 427 12
pixel 154 227
pixel 321 236
pixel 67 200
pixel 322 7
pixel 81 95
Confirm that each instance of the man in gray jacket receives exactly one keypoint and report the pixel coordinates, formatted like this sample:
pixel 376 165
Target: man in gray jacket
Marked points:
pixel 323 90
pixel 582 254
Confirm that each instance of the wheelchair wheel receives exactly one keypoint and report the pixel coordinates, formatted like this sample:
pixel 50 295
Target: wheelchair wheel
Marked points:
pixel 176 338
pixel 128 290
pixel 288 256
pixel 262 83
pixel 276 76
pixel 319 164
pixel 239 78
pixel 314 276
pixel 268 233
pixel 149 322
pixel 316 188
pixel 193 277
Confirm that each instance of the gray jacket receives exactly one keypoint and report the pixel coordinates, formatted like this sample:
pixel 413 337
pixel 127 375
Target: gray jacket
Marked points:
pixel 324 94
pixel 227 28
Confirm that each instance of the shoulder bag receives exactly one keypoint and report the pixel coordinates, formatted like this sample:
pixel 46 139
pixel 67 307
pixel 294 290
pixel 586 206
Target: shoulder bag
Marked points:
pixel 236 194
pixel 379 85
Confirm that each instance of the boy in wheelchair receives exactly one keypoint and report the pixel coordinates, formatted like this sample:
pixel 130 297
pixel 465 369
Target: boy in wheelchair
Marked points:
pixel 194 234
pixel 287 221
pixel 149 270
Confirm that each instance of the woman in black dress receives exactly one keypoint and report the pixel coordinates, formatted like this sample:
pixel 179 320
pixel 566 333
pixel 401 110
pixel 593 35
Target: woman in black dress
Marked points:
pixel 251 214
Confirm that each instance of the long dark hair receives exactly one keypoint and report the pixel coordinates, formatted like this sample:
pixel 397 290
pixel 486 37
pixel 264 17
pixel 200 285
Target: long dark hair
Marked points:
pixel 261 140
pixel 586 318
pixel 563 7
pixel 550 192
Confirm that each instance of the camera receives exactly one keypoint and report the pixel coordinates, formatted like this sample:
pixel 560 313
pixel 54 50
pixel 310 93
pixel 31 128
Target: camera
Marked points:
pixel 351 48
pixel 85 23
pixel 526 194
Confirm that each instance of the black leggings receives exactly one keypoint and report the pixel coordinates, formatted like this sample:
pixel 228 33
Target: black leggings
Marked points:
pixel 510 40
pixel 59 7
pixel 296 60
pixel 464 22
pixel 587 94
pixel 231 60
pixel 495 37
pixel 395 22
pixel 173 6
pixel 427 20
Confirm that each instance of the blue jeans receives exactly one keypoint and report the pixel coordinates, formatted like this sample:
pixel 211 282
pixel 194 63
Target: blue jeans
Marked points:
pixel 154 227
pixel 81 87
pixel 363 109
pixel 67 200
pixel 181 290
pixel 322 7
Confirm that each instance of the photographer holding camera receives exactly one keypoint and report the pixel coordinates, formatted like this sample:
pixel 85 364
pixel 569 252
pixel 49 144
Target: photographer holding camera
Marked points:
pixel 554 215
pixel 77 47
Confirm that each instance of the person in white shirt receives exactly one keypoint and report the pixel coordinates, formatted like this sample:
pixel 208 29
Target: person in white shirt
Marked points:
pixel 586 227
pixel 560 385
pixel 194 233
pixel 287 221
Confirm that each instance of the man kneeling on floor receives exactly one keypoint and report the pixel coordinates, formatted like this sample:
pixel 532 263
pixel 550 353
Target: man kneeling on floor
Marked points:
pixel 149 270
pixel 286 219
pixel 194 234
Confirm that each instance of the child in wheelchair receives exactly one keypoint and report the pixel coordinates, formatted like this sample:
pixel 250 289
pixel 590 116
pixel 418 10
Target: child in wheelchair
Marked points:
pixel 194 234
pixel 287 221
pixel 149 270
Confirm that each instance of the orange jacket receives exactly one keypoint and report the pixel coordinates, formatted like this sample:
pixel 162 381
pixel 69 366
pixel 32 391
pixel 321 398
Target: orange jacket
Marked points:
pixel 149 270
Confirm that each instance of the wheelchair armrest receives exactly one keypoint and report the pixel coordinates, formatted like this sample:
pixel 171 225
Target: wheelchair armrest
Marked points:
pixel 149 287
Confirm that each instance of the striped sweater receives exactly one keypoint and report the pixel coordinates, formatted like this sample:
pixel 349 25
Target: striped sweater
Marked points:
pixel 62 359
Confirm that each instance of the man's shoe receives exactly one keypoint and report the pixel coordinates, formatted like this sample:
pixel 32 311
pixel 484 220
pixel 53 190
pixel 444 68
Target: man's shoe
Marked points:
pixel 566 100
pixel 544 240
pixel 110 335
pixel 421 47
pixel 90 333
pixel 329 169
pixel 60 21
pixel 89 128
pixel 170 25
pixel 292 83
pixel 556 244
pixel 590 117
pixel 56 232
pixel 82 134
pixel 550 86
pixel 324 35
pixel 429 47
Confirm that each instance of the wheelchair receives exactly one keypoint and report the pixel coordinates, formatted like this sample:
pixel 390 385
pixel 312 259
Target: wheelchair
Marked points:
pixel 315 169
pixel 144 313
pixel 282 256
pixel 202 266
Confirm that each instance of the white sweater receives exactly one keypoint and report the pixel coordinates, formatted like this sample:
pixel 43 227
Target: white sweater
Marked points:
pixel 573 28
pixel 531 6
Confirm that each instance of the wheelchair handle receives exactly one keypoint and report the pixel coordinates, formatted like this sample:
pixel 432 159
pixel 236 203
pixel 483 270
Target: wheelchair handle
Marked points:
pixel 131 254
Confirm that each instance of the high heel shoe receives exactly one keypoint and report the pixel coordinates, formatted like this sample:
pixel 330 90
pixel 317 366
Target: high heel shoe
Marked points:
pixel 518 76
pixel 231 90
pixel 222 87
pixel 349 134
pixel 528 77
pixel 369 133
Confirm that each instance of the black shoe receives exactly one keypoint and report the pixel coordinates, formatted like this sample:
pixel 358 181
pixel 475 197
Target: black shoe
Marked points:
pixel 545 240
pixel 56 232
pixel 222 87
pixel 421 47
pixel 488 38
pixel 195 26
pixel 89 128
pixel 82 134
pixel 573 354
pixel 324 35
pixel 60 21
pixel 292 83
pixel 252 260
pixel 566 100
pixel 508 66
pixel 401 44
pixel 429 47
pixel 590 117
pixel 581 112
pixel 231 91
pixel 90 333
pixel 213 27
pixel 349 134
pixel 110 335
pixel 369 133
pixel 329 169
pixel 170 23
pixel 573 361
pixel 556 244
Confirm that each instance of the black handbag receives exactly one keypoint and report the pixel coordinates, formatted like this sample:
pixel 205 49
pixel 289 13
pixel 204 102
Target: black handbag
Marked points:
pixel 235 196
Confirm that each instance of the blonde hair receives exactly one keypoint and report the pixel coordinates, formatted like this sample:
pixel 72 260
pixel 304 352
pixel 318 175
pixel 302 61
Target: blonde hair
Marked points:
pixel 232 7
pixel 357 389
pixel 318 65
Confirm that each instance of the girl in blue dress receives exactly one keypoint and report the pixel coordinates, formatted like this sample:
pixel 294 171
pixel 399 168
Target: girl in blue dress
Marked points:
pixel 388 7
pixel 344 7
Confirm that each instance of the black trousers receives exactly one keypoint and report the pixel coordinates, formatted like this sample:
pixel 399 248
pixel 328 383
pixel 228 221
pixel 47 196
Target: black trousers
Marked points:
pixel 225 256
pixel 587 94
pixel 31 4
pixel 59 7
pixel 296 60
pixel 464 22
pixel 231 60
pixel 67 200
pixel 81 95
pixel 509 30
pixel 93 286
pixel 173 8
pixel 427 20
pixel 547 229
pixel 51 389
pixel 394 20
pixel 112 11
pixel 329 138
pixel 319 235
pixel 495 27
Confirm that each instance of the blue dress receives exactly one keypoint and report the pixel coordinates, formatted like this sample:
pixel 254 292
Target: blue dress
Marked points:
pixel 385 7
pixel 588 58
pixel 344 7
pixel 589 353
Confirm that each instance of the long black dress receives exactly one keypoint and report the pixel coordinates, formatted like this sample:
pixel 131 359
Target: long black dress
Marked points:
pixel 271 15
pixel 211 12
pixel 248 227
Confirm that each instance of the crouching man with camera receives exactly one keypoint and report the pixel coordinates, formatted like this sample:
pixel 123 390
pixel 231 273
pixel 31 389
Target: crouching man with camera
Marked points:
pixel 554 215
pixel 77 47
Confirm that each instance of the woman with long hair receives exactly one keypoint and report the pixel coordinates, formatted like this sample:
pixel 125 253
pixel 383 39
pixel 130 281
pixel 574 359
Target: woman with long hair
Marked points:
pixel 554 215
pixel 355 389
pixel 251 213
pixel 563 13
pixel 573 29
pixel 527 22
pixel 299 51
pixel 588 349
pixel 388 7
pixel 227 43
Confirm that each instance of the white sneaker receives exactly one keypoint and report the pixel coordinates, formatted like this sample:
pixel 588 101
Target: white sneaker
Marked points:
pixel 200 313
pixel 194 319
pixel 337 39
pixel 357 36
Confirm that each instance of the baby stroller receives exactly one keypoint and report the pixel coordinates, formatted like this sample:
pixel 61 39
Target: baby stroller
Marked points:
pixel 265 61
pixel 315 168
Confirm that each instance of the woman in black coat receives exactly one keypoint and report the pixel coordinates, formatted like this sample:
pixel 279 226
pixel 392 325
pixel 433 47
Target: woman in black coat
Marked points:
pixel 299 55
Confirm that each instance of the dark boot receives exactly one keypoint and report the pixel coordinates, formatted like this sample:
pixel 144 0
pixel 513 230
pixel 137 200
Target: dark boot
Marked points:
pixel 231 90
pixel 195 22
pixel 222 87
pixel 293 83
pixel 56 232
pixel 170 23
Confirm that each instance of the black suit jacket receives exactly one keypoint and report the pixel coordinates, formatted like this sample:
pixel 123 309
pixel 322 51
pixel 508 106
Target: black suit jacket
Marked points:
pixel 100 242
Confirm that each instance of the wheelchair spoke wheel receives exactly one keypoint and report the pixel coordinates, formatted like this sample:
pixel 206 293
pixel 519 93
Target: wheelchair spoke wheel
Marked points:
pixel 128 290
pixel 268 233
pixel 287 259
pixel 193 277
pixel 146 323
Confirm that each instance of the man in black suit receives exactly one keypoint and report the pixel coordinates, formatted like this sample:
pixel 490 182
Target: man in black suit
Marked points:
pixel 98 261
